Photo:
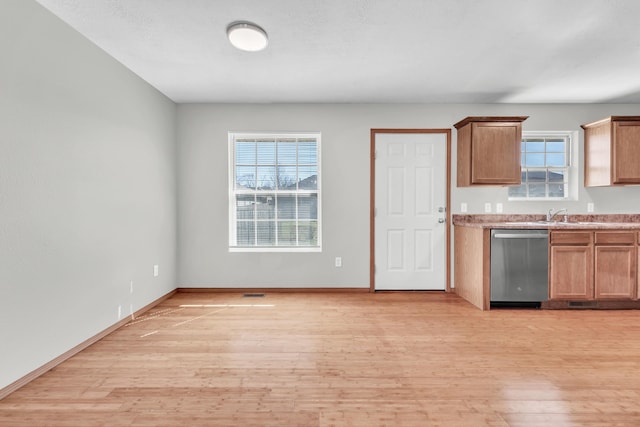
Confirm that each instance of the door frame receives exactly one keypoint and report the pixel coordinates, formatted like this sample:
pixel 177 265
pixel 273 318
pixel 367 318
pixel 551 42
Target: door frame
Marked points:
pixel 372 204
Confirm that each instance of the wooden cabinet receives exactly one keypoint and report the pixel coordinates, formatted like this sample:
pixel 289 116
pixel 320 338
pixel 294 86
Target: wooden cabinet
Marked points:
pixel 586 265
pixel 571 265
pixel 489 150
pixel 615 265
pixel 612 151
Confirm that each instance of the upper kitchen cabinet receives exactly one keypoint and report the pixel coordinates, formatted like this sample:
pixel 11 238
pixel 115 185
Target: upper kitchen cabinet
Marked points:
pixel 489 150
pixel 612 151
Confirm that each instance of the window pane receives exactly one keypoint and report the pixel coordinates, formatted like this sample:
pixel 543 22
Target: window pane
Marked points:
pixel 267 153
pixel 266 233
pixel 308 206
pixel 287 178
pixel 556 146
pixel 286 153
pixel 555 159
pixel 308 177
pixel 245 206
pixel 536 176
pixel 534 145
pixel 518 191
pixel 287 233
pixel 245 177
pixel 556 175
pixel 307 233
pixel 245 153
pixel 534 159
pixel 266 178
pixel 537 190
pixel 307 153
pixel 245 233
pixel 556 190
pixel 265 207
pixel 286 207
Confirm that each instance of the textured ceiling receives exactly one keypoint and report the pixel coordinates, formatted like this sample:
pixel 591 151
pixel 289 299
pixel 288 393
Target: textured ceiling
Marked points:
pixel 369 51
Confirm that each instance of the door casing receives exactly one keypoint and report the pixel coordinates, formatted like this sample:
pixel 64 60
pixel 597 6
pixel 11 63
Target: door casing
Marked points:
pixel 372 204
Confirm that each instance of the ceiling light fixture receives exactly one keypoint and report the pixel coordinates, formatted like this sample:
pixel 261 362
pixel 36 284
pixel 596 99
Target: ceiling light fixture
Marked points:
pixel 247 36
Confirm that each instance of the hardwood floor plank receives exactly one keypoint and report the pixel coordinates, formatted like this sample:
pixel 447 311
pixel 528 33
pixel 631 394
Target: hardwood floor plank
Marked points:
pixel 340 359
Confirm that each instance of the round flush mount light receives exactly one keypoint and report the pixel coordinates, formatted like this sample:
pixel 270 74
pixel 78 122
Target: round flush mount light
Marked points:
pixel 247 36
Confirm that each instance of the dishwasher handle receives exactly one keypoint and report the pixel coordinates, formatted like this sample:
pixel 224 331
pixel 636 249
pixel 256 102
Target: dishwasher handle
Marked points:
pixel 520 236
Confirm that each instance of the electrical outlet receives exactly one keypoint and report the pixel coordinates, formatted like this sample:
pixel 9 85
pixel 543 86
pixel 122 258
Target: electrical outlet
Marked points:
pixel 463 207
pixel 487 207
pixel 498 207
pixel 119 312
pixel 589 207
pixel 131 287
pixel 338 261
pixel 155 270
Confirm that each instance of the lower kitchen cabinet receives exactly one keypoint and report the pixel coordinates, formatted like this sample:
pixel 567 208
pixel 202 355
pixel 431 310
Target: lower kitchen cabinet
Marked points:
pixel 615 264
pixel 586 265
pixel 571 266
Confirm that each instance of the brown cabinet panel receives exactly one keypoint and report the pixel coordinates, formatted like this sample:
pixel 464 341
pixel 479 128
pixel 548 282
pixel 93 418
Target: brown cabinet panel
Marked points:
pixel 626 152
pixel 496 157
pixel 571 238
pixel 571 272
pixel 615 238
pixel 615 272
pixel 489 150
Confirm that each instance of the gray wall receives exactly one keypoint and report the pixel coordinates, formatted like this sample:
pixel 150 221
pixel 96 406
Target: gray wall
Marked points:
pixel 87 190
pixel 204 260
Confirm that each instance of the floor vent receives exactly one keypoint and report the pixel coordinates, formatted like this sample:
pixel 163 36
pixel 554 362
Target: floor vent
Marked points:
pixel 582 304
pixel 253 296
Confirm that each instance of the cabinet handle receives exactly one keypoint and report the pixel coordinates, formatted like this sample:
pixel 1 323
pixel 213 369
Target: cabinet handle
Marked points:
pixel 519 236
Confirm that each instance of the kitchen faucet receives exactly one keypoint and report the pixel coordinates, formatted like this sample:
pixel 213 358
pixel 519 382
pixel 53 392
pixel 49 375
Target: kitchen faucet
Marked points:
pixel 551 214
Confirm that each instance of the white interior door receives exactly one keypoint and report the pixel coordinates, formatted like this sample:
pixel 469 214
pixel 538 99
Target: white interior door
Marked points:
pixel 410 197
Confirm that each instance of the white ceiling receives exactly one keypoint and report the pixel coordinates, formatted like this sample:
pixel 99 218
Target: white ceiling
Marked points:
pixel 370 51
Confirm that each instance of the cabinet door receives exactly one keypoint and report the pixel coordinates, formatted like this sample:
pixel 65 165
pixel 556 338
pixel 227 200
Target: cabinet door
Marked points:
pixel 615 272
pixel 495 154
pixel 626 152
pixel 571 272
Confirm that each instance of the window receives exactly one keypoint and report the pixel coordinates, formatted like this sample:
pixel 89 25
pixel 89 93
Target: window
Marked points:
pixel 545 167
pixel 274 192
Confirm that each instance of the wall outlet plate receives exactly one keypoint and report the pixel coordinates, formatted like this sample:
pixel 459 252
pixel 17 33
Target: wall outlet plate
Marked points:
pixel 487 207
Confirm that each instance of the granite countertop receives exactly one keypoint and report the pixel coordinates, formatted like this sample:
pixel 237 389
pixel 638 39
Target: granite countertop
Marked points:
pixel 574 222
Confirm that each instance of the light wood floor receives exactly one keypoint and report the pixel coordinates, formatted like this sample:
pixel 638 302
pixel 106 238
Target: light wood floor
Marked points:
pixel 386 359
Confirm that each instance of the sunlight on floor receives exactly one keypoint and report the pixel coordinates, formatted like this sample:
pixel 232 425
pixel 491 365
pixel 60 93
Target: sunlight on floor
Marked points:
pixel 225 305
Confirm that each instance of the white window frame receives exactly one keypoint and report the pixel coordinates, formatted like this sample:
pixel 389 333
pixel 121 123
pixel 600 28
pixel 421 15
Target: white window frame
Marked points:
pixel 233 247
pixel 571 189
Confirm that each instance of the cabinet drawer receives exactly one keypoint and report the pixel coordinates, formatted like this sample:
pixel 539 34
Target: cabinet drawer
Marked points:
pixel 615 238
pixel 571 237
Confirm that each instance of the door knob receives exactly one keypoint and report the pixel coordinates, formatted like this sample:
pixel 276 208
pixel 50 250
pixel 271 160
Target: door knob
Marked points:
pixel 441 220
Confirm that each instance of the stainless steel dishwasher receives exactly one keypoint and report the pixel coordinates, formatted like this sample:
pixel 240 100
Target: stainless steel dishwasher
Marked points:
pixel 519 266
